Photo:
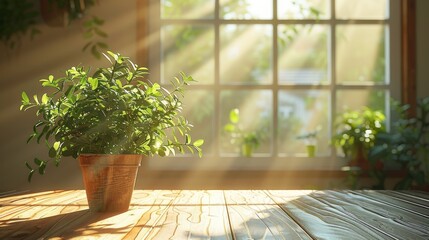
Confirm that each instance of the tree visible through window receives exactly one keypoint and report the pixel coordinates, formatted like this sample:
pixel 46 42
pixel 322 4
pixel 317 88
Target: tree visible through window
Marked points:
pixel 288 66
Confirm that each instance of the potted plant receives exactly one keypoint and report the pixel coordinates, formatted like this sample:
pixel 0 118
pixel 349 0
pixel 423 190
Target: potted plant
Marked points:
pixel 356 134
pixel 310 140
pixel 108 120
pixel 248 141
pixel 20 18
pixel 61 13
pixel 407 145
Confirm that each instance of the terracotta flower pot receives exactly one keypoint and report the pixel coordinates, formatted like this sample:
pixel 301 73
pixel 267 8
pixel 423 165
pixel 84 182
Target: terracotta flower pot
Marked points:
pixel 109 180
pixel 53 15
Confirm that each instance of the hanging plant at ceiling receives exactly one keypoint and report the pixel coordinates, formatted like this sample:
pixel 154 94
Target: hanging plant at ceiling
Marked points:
pixel 19 19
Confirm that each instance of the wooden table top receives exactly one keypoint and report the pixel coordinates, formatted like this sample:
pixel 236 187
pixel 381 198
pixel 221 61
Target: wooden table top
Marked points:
pixel 216 214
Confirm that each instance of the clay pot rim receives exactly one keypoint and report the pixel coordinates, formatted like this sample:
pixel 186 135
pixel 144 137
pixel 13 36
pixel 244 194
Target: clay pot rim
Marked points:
pixel 129 160
pixel 112 154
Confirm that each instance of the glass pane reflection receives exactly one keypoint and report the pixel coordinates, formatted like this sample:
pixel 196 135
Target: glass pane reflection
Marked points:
pixel 301 112
pixel 255 117
pixel 246 54
pixel 188 48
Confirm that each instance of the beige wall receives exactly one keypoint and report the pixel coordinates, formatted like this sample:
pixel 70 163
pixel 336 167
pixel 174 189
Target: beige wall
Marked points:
pixel 56 49
pixel 51 52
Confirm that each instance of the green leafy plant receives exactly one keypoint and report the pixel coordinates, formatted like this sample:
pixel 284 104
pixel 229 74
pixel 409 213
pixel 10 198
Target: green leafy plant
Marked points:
pixel 112 111
pixel 407 144
pixel 356 131
pixel 356 134
pixel 247 140
pixel 75 8
pixel 19 18
pixel 92 25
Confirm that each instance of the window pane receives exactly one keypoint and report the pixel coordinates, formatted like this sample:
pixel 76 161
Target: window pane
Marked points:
pixel 303 54
pixel 198 107
pixel 188 48
pixel 246 54
pixel 357 99
pixel 361 9
pixel 246 9
pixel 255 118
pixel 187 9
pixel 303 9
pixel 360 54
pixel 301 112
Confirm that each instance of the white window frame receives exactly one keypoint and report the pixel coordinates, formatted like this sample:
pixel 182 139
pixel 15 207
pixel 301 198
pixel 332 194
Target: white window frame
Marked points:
pixel 221 163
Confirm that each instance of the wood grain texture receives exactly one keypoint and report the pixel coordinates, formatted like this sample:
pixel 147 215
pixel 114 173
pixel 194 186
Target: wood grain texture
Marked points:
pixel 31 216
pixel 402 201
pixel 254 215
pixel 409 56
pixel 250 214
pixel 119 226
pixel 322 220
pixel 194 215
pixel 422 201
pixel 392 218
pixel 65 215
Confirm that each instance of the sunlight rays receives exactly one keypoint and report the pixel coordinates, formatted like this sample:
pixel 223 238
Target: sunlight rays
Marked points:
pixel 196 10
pixel 362 9
pixel 241 49
pixel 251 9
pixel 305 54
pixel 192 55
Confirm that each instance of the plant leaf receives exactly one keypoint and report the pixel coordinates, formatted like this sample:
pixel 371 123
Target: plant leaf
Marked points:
pixel 45 98
pixel 93 82
pixel 234 115
pixel 25 98
pixel 199 142
pixel 187 139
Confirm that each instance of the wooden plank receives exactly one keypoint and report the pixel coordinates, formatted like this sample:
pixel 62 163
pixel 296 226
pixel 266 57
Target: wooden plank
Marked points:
pixel 23 206
pixel 402 201
pixel 127 225
pixel 66 216
pixel 396 221
pixel 421 194
pixel 254 215
pixel 32 219
pixel 155 209
pixel 11 193
pixel 422 201
pixel 322 220
pixel 194 215
pixel 249 214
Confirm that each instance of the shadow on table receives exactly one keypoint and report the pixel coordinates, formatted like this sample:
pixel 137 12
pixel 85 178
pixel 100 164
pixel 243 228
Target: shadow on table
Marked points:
pixel 65 226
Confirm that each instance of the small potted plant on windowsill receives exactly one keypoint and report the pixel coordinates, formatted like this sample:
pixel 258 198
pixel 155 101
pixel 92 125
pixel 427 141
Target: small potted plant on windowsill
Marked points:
pixel 248 141
pixel 310 140
pixel 108 120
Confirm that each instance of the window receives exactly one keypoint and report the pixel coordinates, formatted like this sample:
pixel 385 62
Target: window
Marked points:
pixel 289 66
